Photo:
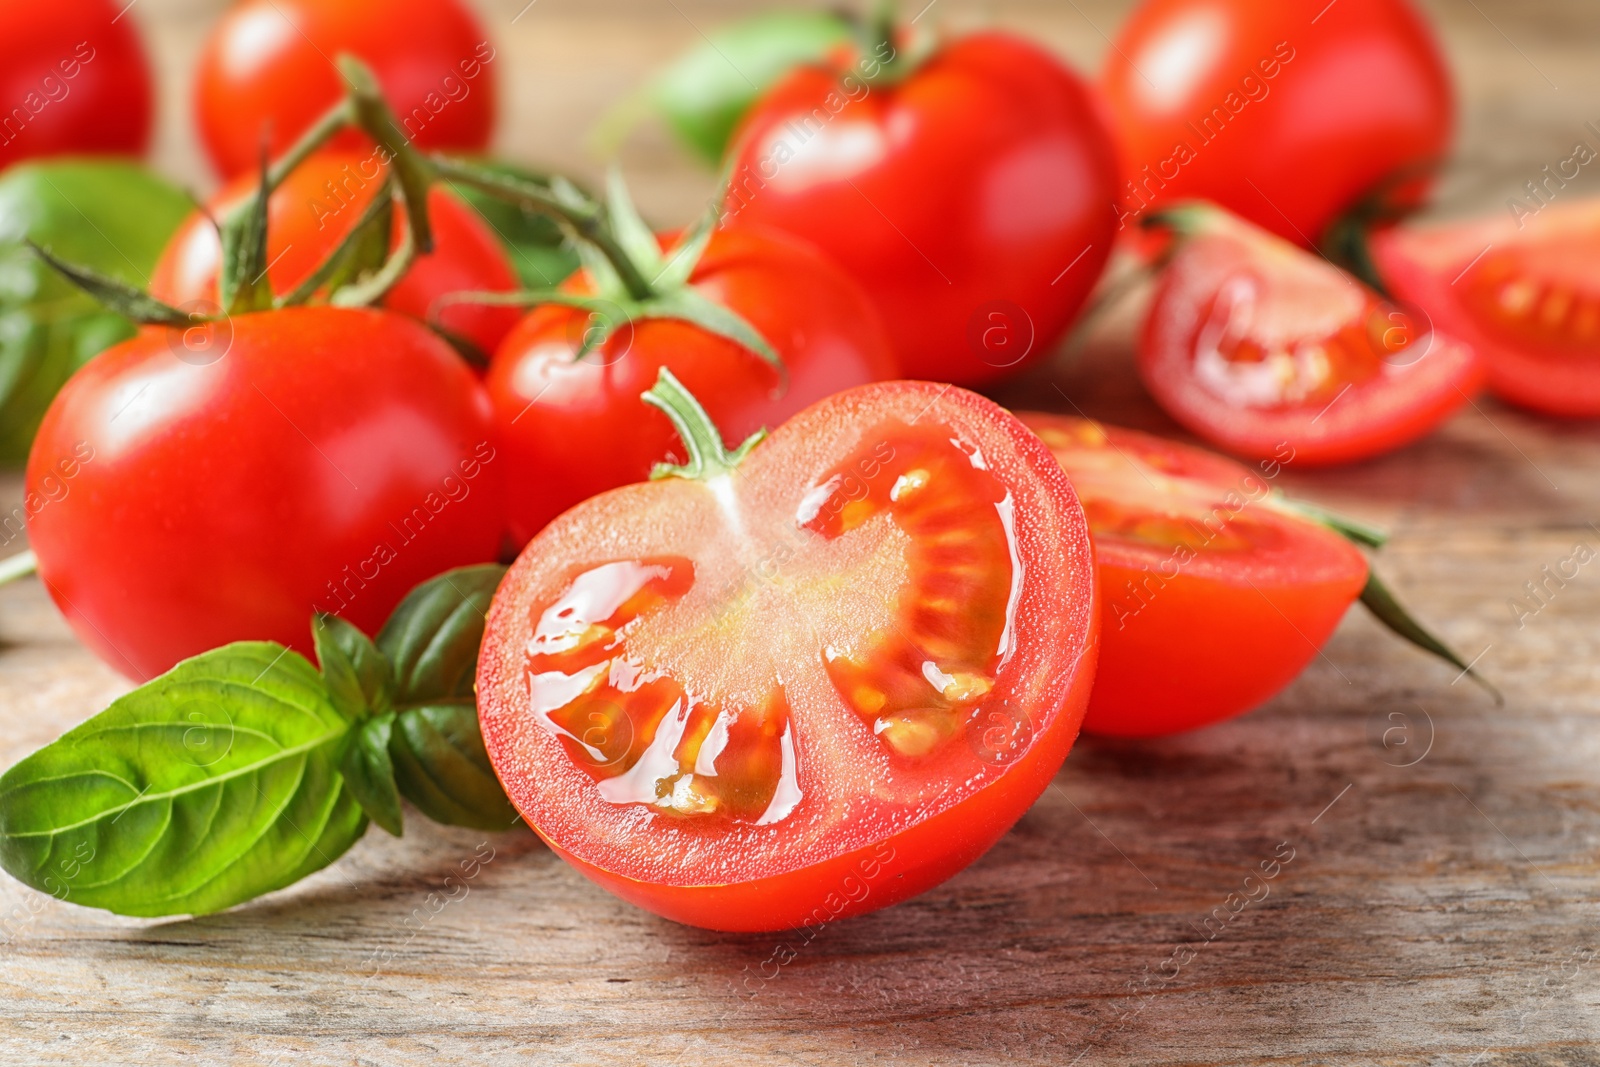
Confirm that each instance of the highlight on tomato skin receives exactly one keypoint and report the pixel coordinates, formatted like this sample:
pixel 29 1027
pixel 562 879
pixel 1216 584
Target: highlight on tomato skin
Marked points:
pixel 1213 597
pixel 1520 288
pixel 1256 346
pixel 806 688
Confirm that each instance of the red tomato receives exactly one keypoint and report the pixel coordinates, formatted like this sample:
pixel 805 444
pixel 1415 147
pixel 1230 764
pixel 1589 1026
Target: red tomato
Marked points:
pixel 971 200
pixel 1287 112
pixel 1213 596
pixel 267 71
pixel 1523 292
pixel 73 79
pixel 571 427
pixel 312 459
pixel 313 210
pixel 806 688
pixel 1270 352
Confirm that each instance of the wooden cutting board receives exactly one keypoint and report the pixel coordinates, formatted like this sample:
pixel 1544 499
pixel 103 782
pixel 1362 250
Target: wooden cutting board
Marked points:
pixel 1436 903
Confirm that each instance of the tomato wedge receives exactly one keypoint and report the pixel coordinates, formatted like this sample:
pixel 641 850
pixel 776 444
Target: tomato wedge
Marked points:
pixel 1268 351
pixel 1524 291
pixel 1213 596
pixel 803 681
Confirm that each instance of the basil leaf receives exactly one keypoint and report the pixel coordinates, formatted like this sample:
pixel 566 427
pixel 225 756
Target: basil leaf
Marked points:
pixel 539 253
pixel 706 91
pixel 357 674
pixel 210 785
pixel 369 772
pixel 432 640
pixel 112 216
pixel 441 766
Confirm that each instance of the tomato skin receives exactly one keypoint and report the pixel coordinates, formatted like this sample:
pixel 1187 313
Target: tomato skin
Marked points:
pixel 227 500
pixel 77 72
pixel 1322 107
pixel 791 874
pixel 572 428
pixel 266 71
pixel 1439 267
pixel 1025 175
pixel 1186 641
pixel 306 221
pixel 1412 388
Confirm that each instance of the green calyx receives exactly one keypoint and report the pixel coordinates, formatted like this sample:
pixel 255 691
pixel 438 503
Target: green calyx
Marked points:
pixel 708 457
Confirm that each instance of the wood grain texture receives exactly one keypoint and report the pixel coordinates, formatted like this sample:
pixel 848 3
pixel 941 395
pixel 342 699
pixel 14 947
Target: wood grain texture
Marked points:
pixel 1441 912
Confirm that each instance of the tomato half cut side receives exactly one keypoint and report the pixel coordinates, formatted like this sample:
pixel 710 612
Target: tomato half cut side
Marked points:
pixel 1266 350
pixel 1525 292
pixel 1213 596
pixel 808 687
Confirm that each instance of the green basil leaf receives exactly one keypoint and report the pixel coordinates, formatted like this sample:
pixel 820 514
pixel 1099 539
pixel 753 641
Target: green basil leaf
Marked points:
pixel 538 250
pixel 357 674
pixel 441 766
pixel 432 640
pixel 369 772
pixel 705 92
pixel 210 785
pixel 112 216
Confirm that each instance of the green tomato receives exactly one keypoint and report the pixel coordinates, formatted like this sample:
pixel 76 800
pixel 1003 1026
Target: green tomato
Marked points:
pixel 708 89
pixel 112 215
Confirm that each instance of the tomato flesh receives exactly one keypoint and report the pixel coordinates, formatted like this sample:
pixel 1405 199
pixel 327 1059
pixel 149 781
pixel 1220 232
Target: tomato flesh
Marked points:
pixel 1270 352
pixel 1523 292
pixel 315 208
pixel 713 697
pixel 1213 597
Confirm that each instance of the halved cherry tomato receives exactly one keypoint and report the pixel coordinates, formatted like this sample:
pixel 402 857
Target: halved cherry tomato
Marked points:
pixel 1213 596
pixel 73 80
pixel 970 198
pixel 1287 113
pixel 1266 350
pixel 807 687
pixel 267 72
pixel 317 458
pixel 314 208
pixel 1525 292
pixel 571 424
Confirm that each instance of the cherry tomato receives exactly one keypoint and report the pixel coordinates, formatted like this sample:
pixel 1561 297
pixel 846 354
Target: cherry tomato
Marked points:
pixel 267 72
pixel 1213 595
pixel 971 200
pixel 313 210
pixel 807 687
pixel 73 79
pixel 311 459
pixel 1287 112
pixel 1270 352
pixel 1522 291
pixel 572 427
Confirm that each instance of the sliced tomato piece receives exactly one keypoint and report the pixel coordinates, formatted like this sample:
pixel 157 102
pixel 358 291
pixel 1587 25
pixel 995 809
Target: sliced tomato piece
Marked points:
pixel 1213 595
pixel 806 686
pixel 1525 292
pixel 1268 351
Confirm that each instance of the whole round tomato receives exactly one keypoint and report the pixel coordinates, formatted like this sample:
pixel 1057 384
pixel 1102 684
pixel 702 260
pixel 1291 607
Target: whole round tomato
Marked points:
pixel 73 79
pixel 804 683
pixel 1521 290
pixel 267 71
pixel 1213 596
pixel 1270 352
pixel 571 425
pixel 971 199
pixel 310 459
pixel 314 208
pixel 1286 112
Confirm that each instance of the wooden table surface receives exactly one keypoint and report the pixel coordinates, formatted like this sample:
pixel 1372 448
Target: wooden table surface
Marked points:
pixel 1440 904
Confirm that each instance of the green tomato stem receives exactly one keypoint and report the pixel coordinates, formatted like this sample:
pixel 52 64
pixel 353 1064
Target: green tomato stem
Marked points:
pixel 708 456
pixel 18 566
